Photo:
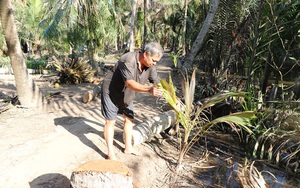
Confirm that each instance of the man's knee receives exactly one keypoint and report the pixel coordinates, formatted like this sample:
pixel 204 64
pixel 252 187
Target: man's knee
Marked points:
pixel 110 123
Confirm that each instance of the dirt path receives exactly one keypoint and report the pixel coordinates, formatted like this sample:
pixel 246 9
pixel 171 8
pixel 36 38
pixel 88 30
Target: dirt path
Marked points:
pixel 41 147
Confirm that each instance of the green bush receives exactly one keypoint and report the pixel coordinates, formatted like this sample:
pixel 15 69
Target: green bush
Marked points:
pixel 37 64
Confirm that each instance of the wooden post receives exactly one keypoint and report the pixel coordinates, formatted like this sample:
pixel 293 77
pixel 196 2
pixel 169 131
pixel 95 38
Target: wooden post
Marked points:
pixel 102 174
pixel 155 125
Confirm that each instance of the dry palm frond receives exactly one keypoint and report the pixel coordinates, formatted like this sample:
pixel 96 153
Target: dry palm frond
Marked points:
pixel 279 147
pixel 292 159
pixel 74 70
pixel 250 177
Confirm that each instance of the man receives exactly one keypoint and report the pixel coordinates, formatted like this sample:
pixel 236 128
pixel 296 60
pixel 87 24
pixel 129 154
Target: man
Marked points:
pixel 129 75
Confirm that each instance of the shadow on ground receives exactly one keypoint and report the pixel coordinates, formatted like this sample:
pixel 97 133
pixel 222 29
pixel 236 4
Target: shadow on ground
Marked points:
pixel 54 180
pixel 78 127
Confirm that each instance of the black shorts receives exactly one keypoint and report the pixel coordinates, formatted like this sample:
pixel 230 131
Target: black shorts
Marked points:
pixel 110 110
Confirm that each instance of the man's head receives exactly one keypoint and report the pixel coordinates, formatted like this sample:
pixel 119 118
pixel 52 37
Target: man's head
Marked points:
pixel 152 52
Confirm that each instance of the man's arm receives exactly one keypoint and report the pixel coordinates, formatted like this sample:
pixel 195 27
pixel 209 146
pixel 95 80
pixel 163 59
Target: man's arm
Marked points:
pixel 135 86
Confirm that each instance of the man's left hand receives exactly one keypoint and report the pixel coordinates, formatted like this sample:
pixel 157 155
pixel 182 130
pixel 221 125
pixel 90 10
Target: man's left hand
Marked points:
pixel 156 91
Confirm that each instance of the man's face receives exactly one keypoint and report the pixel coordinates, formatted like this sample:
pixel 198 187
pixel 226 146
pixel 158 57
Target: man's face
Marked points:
pixel 151 60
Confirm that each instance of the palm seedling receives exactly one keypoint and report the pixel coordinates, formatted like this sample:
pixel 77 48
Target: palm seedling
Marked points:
pixel 194 120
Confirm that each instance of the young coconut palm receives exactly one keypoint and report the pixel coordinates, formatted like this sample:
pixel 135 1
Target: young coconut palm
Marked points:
pixel 193 120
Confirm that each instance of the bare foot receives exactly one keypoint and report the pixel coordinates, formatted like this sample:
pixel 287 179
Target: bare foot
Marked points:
pixel 132 152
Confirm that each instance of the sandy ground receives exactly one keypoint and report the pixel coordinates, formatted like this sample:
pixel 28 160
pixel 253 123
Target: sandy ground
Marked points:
pixel 41 147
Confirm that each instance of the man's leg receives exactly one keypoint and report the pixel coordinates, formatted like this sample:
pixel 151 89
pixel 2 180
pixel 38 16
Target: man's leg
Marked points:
pixel 109 138
pixel 128 125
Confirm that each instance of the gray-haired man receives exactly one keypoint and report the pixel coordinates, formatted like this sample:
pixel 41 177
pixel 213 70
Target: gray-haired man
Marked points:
pixel 129 75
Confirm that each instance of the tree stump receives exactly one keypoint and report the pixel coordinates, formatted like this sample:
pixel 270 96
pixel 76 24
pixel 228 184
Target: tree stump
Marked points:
pixel 102 174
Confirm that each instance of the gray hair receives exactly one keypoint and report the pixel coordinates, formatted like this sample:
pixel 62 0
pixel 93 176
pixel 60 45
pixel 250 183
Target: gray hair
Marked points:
pixel 154 48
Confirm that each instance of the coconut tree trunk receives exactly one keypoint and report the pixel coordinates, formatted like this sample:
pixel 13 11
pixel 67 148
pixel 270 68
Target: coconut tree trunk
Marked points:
pixel 145 22
pixel 23 80
pixel 197 45
pixel 146 130
pixel 132 24
pixel 184 27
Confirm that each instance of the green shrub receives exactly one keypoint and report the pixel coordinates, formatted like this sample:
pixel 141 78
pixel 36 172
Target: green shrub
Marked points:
pixel 37 64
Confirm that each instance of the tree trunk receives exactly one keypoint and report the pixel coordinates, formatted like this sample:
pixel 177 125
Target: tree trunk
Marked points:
pixel 92 53
pixel 145 22
pixel 102 173
pixel 24 83
pixel 146 130
pixel 89 95
pixel 197 45
pixel 184 28
pixel 132 24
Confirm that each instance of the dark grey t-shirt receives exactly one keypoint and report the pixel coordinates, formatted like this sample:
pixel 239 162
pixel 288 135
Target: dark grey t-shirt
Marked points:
pixel 126 69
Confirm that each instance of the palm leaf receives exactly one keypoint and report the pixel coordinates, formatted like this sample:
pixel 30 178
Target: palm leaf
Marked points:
pixel 172 89
pixel 188 89
pixel 241 119
pixel 169 94
pixel 219 98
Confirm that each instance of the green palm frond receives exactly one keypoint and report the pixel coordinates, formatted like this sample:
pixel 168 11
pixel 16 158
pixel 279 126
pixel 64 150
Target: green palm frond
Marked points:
pixel 53 29
pixel 211 101
pixel 242 119
pixel 169 93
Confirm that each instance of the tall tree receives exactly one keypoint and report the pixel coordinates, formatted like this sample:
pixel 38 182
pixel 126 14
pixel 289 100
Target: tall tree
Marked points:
pixel 197 45
pixel 186 2
pixel 22 78
pixel 131 37
pixel 145 21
